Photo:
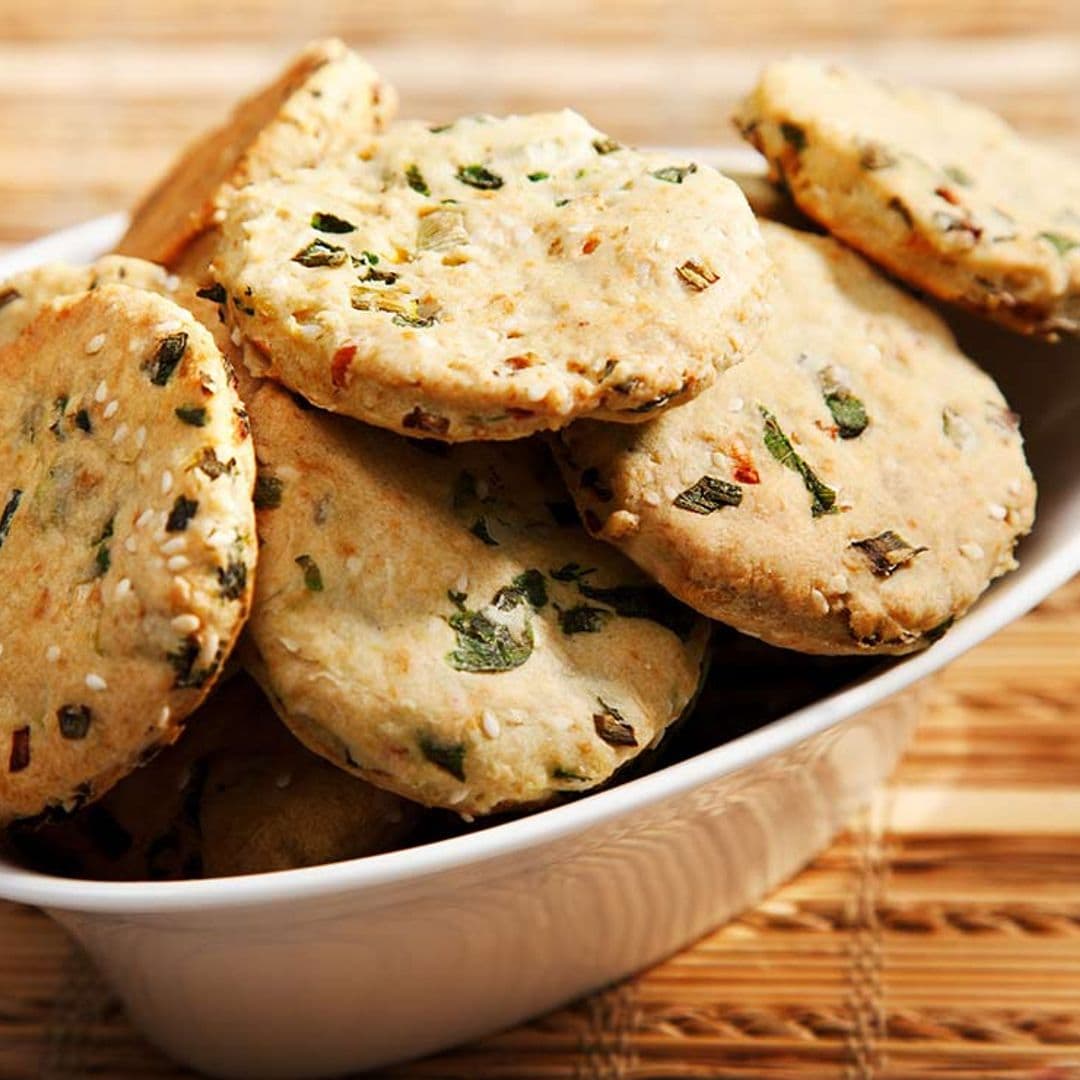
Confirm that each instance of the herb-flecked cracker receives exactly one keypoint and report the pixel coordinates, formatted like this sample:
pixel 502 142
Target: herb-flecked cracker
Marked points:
pixel 495 278
pixel 126 538
pixel 436 620
pixel 942 193
pixel 852 487
pixel 325 100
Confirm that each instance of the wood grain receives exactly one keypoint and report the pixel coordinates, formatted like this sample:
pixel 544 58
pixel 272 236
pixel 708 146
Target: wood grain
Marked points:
pixel 940 935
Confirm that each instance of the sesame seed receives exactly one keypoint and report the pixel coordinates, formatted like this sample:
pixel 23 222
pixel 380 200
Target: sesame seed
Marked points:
pixel 490 723
pixel 183 588
pixel 95 344
pixel 144 518
pixel 120 433
pixel 820 601
pixel 458 797
pixel 52 653
pixel 123 587
pixel 140 437
pixel 131 545
pixel 178 563
pixel 173 546
pixel 111 409
pixel 95 682
pixel 211 644
pixel 971 551
pixel 737 404
pixel 997 511
pixel 186 624
pixel 101 392
pixel 166 482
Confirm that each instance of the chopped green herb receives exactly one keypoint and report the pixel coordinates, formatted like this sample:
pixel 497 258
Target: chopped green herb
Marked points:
pixel 528 587
pixel 696 275
pixel 82 421
pixel 74 721
pixel 708 495
pixel 583 619
pixel 313 581
pixel 957 175
pixel 369 257
pixel 102 561
pixel 675 174
pixel 561 202
pixel 331 223
pixel 19 758
pixel 106 533
pixel 486 646
pixel 232 579
pixel 215 293
pixel 194 415
pixel 1062 244
pixel 612 727
pixel 268 490
pixel 539 175
pixel 572 571
pixel 59 408
pixel 183 510
pixel 822 497
pixel 478 176
pixel 479 529
pixel 8 514
pixel 415 179
pixel 320 253
pixel 166 358
pixel 442 229
pixel 848 412
pixel 605 145
pixel 793 135
pixel 561 773
pixel 887 552
pixel 182 660
pixel 644 602
pixel 450 757
pixel 440 128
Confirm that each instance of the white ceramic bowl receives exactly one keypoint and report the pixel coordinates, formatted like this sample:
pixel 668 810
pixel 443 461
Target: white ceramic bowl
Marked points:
pixel 344 967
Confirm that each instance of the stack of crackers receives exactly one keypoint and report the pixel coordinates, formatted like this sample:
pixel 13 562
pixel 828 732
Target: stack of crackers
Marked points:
pixel 402 467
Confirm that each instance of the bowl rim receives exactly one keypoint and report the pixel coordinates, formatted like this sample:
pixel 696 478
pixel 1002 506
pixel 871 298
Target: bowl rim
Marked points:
pixel 1003 603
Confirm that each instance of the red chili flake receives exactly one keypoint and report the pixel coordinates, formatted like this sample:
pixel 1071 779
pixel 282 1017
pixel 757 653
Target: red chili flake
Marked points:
pixel 339 367
pixel 949 196
pixel 830 429
pixel 590 245
pixel 20 750
pixel 519 363
pixel 745 473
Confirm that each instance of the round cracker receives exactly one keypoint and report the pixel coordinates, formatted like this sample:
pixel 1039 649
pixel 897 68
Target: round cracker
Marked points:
pixel 437 621
pixel 852 487
pixel 495 278
pixel 127 538
pixel 324 99
pixel 942 193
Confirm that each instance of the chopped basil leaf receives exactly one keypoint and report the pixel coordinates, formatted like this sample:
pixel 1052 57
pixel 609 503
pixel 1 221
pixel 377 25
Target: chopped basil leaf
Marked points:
pixel 415 179
pixel 605 145
pixel 74 721
pixel 479 177
pixel 194 415
pixel 1062 244
pixel 313 581
pixel 675 174
pixel 583 619
pixel 184 509
pixel 182 660
pixel 697 276
pixel 644 602
pixel 612 727
pixel 167 356
pixel 572 571
pixel 486 646
pixel 215 292
pixel 450 757
pixel 528 587
pixel 268 491
pixel 479 529
pixel 887 552
pixel 848 412
pixel 822 497
pixel 102 561
pixel 540 175
pixel 793 135
pixel 8 514
pixel 320 253
pixel 709 494
pixel 331 223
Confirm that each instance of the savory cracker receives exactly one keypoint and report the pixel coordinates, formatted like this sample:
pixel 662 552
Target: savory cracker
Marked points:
pixel 495 277
pixel 435 619
pixel 126 538
pixel 324 100
pixel 852 487
pixel 942 193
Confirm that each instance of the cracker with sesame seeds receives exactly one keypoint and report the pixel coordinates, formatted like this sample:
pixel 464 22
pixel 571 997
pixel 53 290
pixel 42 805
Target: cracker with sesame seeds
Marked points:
pixel 852 487
pixel 126 538
pixel 436 620
pixel 494 278
pixel 325 100
pixel 236 794
pixel 942 193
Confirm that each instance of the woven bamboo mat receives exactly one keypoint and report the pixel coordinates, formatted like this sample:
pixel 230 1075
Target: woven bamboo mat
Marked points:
pixel 938 937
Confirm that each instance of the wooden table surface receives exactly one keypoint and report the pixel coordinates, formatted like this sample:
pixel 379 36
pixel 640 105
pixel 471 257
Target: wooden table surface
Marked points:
pixel 920 945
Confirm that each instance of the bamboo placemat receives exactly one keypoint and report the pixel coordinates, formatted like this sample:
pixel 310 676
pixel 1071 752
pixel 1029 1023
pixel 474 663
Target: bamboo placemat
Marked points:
pixel 940 935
